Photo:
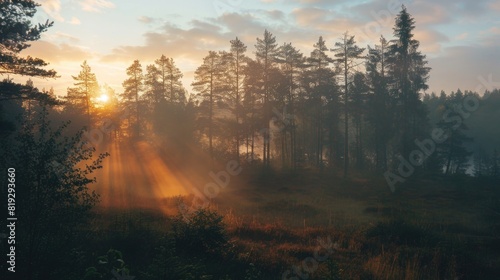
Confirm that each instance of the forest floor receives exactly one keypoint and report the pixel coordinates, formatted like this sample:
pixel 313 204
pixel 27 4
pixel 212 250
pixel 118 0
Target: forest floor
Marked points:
pixel 317 226
pixel 305 224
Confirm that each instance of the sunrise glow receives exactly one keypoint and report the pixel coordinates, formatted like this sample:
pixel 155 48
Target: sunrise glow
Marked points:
pixel 103 98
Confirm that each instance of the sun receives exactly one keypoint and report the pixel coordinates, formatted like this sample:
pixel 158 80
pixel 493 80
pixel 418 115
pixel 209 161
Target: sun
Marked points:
pixel 104 98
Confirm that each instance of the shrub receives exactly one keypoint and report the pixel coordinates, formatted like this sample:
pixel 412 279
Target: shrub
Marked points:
pixel 201 232
pixel 108 266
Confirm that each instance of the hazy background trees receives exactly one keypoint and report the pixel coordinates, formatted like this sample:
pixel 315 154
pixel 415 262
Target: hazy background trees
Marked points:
pixel 342 105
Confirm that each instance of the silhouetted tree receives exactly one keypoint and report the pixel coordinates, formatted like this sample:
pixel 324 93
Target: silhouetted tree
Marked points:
pixel 154 91
pixel 347 52
pixel 208 85
pixel 86 88
pixel 170 80
pixel 266 51
pixel 453 151
pixel 320 87
pixel 380 102
pixel 252 91
pixel 16 31
pixel 133 87
pixel 292 62
pixel 237 65
pixel 359 93
pixel 409 73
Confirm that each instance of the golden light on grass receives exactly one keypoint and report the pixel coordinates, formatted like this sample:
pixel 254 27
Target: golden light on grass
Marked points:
pixel 135 176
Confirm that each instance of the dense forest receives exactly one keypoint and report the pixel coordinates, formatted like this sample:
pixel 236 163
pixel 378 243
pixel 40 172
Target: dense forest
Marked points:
pixel 343 113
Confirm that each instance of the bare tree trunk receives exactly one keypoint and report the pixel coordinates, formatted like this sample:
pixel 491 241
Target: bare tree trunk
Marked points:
pixel 346 119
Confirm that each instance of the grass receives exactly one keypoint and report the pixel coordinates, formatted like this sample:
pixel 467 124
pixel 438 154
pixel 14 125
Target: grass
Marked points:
pixel 425 230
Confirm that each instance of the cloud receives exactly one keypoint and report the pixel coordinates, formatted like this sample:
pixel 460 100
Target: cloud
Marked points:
pixel 460 67
pixel 56 53
pixel 173 42
pixel 462 36
pixel 64 37
pixel 447 11
pixel 146 19
pixel 495 5
pixel 75 21
pixel 494 30
pixel 490 37
pixel 275 15
pixel 52 8
pixel 430 40
pixel 239 23
pixel 426 13
pixel 439 26
pixel 96 5
pixel 308 17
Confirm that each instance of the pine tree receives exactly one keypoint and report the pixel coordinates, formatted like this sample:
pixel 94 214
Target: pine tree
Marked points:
pixel 252 91
pixel 410 73
pixel 347 52
pixel 86 88
pixel 266 51
pixel 481 164
pixel 209 88
pixel 379 99
pixel 133 87
pixel 359 93
pixel 292 62
pixel 170 80
pixel 453 151
pixel 238 63
pixel 154 90
pixel 319 81
pixel 16 31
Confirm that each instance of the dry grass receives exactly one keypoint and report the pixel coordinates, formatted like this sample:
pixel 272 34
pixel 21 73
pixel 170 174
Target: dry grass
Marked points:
pixel 420 232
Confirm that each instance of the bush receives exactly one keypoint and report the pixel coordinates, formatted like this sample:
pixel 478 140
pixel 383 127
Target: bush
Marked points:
pixel 167 265
pixel 200 233
pixel 108 266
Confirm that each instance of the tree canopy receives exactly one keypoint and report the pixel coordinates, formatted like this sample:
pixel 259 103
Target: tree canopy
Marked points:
pixel 16 31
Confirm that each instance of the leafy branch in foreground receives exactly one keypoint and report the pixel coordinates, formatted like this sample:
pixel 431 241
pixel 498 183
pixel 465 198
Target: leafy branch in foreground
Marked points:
pixel 53 174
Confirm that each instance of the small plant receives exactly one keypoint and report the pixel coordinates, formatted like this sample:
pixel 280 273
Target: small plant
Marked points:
pixel 252 273
pixel 167 265
pixel 333 270
pixel 202 232
pixel 109 266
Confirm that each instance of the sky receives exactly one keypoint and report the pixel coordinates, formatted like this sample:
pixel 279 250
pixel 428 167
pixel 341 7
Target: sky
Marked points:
pixel 461 38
